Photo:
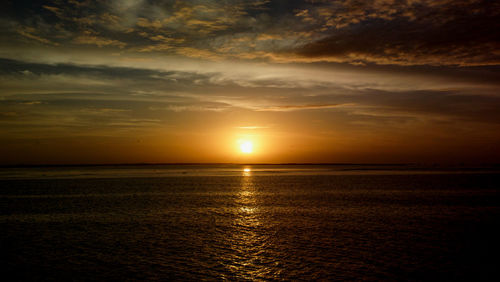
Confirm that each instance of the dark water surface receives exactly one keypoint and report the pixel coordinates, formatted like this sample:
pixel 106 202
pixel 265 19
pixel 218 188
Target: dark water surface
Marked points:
pixel 280 222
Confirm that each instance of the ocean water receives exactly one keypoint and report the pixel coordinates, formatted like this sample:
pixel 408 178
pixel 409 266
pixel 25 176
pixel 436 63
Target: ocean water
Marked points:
pixel 231 222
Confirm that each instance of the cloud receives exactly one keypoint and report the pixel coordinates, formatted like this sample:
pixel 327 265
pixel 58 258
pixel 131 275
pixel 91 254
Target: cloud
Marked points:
pixel 252 127
pixel 414 33
pixel 385 32
pixel 277 91
pixel 29 32
pixel 102 111
pixel 287 108
pixel 165 43
pixel 142 22
pixel 197 53
pixel 162 38
pixel 108 18
pixel 374 32
pixel 55 10
pixel 8 114
pixel 156 47
pixel 406 44
pixel 90 39
pixel 192 105
pixel 29 103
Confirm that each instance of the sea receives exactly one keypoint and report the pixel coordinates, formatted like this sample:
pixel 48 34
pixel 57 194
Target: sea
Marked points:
pixel 250 222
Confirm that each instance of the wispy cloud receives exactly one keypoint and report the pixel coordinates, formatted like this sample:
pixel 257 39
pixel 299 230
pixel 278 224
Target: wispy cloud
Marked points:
pixel 252 127
pixel 90 39
pixel 287 108
pixel 30 32
pixel 30 103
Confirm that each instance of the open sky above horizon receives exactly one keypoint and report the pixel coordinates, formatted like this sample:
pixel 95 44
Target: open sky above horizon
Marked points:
pixel 378 81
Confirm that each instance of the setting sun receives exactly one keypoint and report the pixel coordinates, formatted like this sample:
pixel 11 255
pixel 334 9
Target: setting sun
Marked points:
pixel 246 147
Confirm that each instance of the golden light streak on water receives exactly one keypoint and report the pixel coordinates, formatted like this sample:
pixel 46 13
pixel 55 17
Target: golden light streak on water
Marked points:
pixel 247 240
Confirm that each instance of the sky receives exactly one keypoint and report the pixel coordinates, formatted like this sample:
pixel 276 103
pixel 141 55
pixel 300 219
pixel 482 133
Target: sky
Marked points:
pixel 153 81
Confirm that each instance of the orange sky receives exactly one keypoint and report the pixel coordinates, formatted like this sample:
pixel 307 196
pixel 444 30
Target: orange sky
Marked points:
pixel 185 81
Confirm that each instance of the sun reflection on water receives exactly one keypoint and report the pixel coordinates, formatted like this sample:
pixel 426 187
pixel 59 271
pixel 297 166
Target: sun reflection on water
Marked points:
pixel 246 195
pixel 247 171
pixel 247 238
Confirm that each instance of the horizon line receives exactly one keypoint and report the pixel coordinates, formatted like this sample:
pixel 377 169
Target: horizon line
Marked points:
pixel 229 163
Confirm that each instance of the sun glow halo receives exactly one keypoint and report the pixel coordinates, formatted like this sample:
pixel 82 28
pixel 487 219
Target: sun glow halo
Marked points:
pixel 246 147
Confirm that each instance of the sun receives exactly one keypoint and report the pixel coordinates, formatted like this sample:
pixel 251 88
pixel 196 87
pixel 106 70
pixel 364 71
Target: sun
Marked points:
pixel 246 147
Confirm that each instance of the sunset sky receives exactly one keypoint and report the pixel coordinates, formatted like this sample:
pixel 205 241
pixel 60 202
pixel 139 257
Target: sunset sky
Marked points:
pixel 379 81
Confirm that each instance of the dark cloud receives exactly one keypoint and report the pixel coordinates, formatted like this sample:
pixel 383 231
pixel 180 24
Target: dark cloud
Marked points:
pixel 20 68
pixel 416 32
pixel 461 33
pixel 431 104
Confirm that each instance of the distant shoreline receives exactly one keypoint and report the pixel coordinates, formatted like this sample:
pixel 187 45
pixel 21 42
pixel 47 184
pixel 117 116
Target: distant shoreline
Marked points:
pixel 238 164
